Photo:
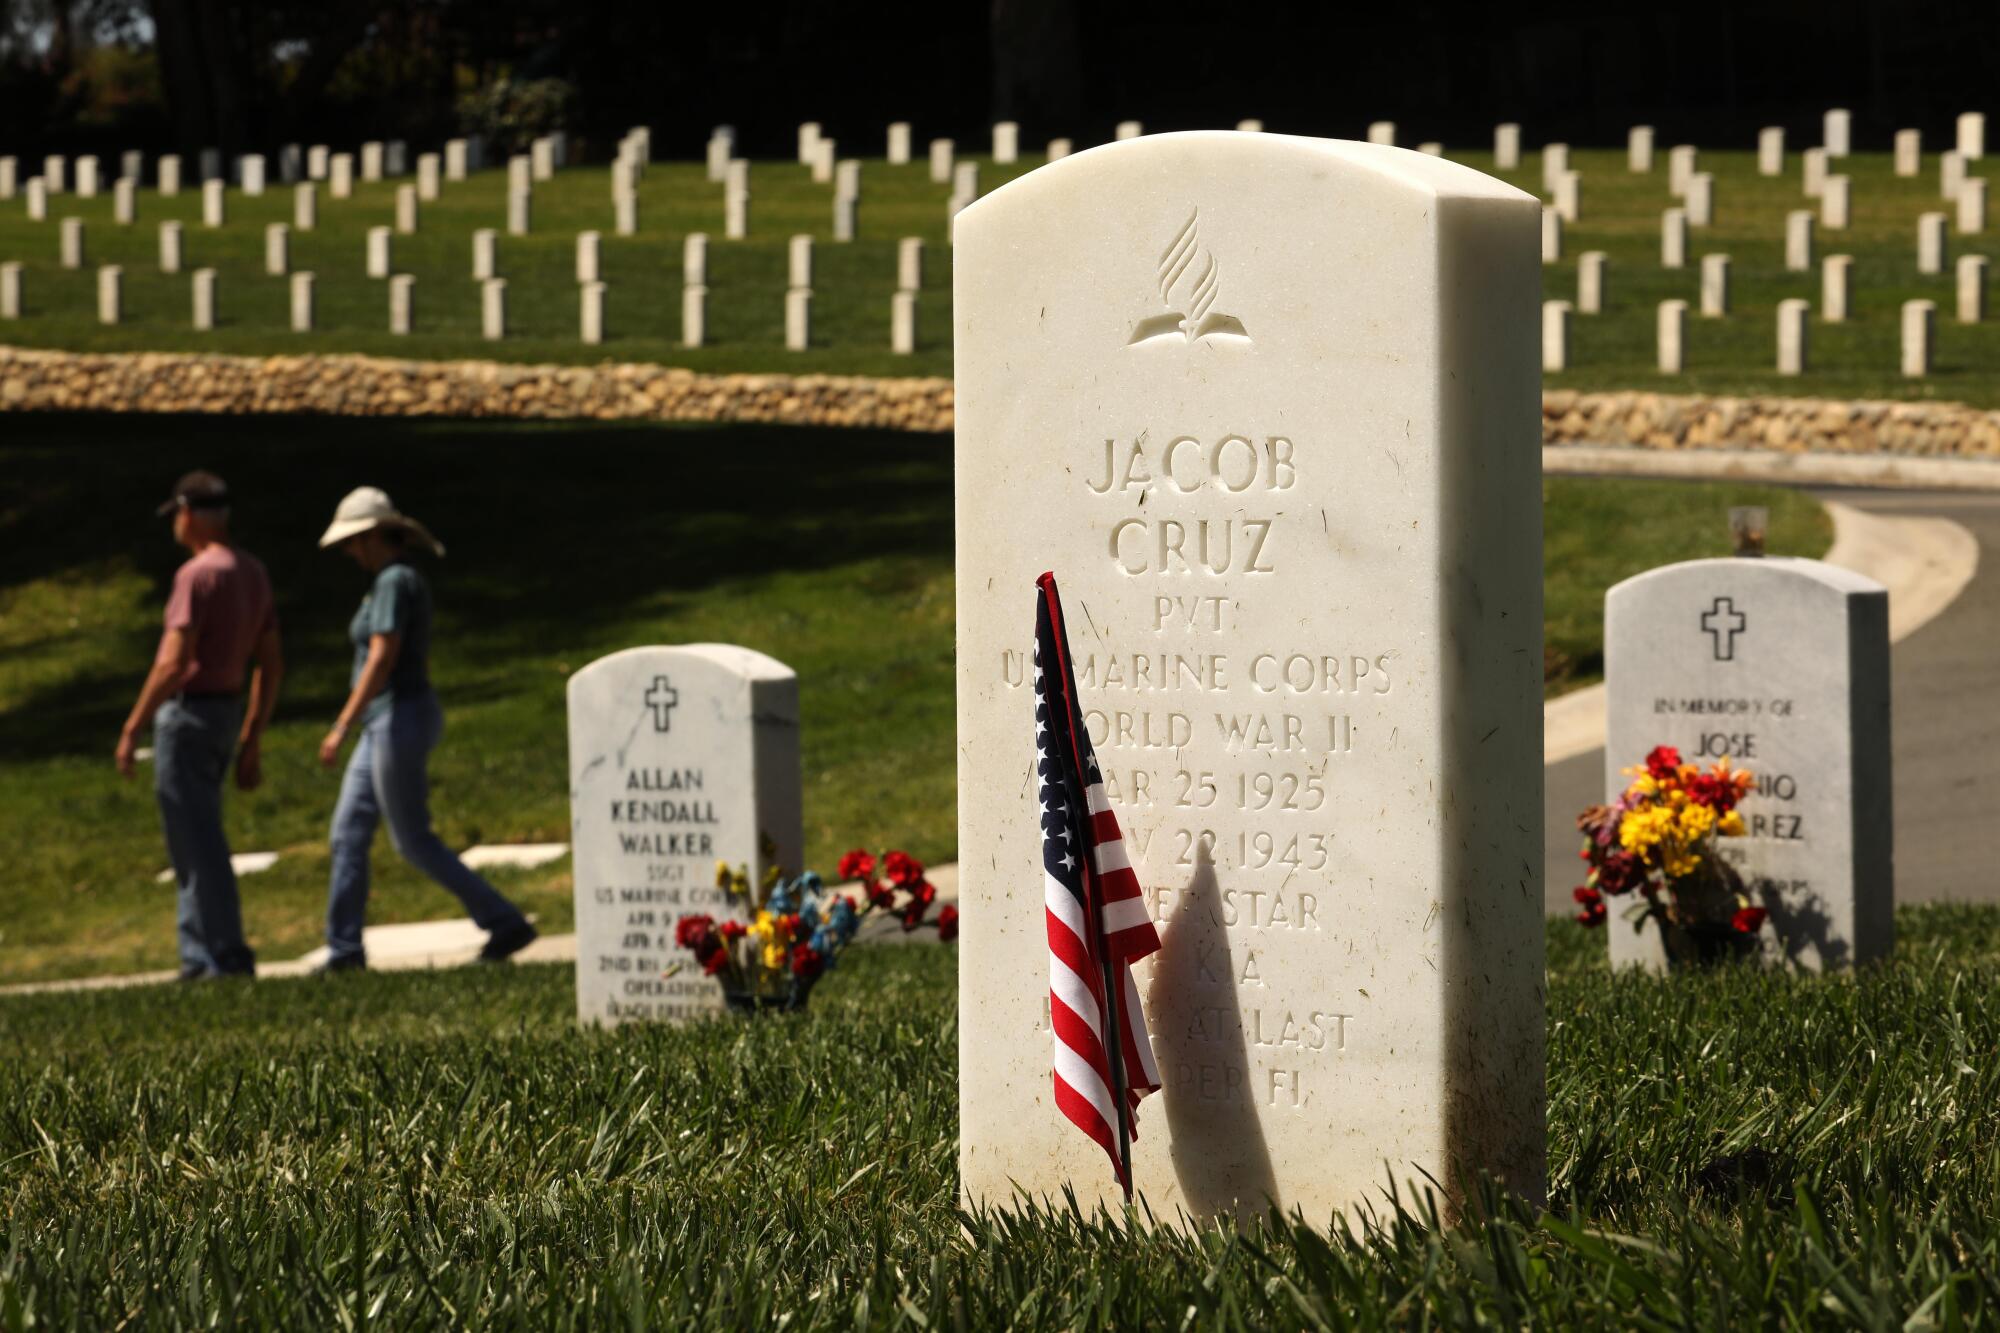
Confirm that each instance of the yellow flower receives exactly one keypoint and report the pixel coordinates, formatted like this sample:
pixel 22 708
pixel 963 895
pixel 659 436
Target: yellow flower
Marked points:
pixel 1695 821
pixel 1643 784
pixel 1640 830
pixel 1731 825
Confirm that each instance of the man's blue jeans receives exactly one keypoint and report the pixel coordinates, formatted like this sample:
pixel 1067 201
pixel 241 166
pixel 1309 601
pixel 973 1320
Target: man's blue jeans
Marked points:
pixel 388 777
pixel 193 740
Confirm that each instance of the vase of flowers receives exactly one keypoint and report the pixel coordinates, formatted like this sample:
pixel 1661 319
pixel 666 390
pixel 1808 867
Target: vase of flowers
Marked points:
pixel 1657 846
pixel 793 931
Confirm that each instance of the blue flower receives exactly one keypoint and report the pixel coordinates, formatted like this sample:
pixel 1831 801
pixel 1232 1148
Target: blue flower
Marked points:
pixel 843 920
pixel 781 901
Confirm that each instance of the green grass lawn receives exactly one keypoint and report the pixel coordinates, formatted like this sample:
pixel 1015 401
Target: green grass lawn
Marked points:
pixel 1735 1149
pixel 853 282
pixel 832 551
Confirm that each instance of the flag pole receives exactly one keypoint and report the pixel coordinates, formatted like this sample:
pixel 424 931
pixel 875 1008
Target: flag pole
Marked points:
pixel 1120 1095
pixel 1114 1029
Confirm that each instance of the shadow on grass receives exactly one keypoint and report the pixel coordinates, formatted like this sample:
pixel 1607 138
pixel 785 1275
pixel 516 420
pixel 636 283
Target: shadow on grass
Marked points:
pixel 556 531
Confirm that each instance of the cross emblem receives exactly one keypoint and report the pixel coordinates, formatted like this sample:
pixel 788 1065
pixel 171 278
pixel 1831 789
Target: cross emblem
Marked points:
pixel 1724 622
pixel 661 698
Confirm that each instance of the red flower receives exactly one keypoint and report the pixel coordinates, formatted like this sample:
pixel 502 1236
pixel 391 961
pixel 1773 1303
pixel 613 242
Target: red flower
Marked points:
pixel 947 924
pixel 807 961
pixel 718 959
pixel 1590 906
pixel 882 895
pixel 733 929
pixel 1621 872
pixel 689 930
pixel 1663 762
pixel 1749 920
pixel 857 864
pixel 902 869
pixel 1714 790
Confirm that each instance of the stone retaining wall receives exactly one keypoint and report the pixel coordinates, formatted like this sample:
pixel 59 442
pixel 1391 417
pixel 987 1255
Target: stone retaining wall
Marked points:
pixel 33 380
pixel 373 386
pixel 1787 425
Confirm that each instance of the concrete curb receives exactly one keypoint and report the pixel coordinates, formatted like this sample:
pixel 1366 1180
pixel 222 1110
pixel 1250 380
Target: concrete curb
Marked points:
pixel 1876 471
pixel 1924 562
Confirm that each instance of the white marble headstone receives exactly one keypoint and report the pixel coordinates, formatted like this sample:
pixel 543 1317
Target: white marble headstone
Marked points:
pixel 1780 666
pixel 1269 408
pixel 679 757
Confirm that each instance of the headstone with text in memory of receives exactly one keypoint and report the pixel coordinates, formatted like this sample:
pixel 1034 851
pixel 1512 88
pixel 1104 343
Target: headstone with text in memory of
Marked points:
pixel 1268 407
pixel 1780 666
pixel 680 757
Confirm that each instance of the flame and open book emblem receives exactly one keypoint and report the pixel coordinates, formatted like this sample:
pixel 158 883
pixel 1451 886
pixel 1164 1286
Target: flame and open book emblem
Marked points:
pixel 1188 277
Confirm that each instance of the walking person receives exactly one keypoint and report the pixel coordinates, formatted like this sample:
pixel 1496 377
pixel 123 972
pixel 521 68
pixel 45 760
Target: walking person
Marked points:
pixel 220 626
pixel 393 706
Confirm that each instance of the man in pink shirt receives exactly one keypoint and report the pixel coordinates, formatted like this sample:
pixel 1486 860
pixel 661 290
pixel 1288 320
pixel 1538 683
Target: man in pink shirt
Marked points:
pixel 220 628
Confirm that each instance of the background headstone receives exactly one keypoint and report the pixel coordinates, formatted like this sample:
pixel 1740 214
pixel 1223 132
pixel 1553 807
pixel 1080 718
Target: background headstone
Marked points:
pixel 302 303
pixel 110 294
pixel 1836 288
pixel 1792 336
pixel 204 299
pixel 694 315
pixel 402 303
pixel 679 758
pixel 1782 667
pixel 1295 512
pixel 1671 335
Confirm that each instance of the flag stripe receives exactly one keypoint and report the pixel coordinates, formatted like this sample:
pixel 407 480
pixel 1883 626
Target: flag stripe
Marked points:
pixel 1127 915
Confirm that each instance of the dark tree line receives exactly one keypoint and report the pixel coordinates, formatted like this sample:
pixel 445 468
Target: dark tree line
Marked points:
pixel 240 74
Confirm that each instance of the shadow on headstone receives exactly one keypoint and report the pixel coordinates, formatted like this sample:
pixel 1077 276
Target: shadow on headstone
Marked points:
pixel 1803 926
pixel 1202 1045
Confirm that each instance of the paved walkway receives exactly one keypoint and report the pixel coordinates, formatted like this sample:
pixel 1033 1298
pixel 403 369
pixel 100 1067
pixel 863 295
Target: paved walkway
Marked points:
pixel 420 945
pixel 1945 701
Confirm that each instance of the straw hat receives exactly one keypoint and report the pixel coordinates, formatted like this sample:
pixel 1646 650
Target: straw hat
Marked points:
pixel 367 507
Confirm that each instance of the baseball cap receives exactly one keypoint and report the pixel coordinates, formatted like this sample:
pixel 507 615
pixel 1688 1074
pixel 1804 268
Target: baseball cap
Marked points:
pixel 197 490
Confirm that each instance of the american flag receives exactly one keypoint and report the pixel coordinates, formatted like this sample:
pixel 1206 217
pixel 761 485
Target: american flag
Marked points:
pixel 1095 913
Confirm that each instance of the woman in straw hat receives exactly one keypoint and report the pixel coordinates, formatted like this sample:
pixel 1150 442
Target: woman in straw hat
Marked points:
pixel 392 705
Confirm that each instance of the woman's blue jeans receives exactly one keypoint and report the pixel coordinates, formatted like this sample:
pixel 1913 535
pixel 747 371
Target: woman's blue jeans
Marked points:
pixel 388 778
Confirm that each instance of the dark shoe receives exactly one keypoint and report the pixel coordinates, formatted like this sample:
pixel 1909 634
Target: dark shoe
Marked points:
pixel 194 972
pixel 504 943
pixel 352 962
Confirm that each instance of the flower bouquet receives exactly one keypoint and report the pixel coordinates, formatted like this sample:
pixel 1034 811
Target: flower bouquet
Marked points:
pixel 797 928
pixel 1658 841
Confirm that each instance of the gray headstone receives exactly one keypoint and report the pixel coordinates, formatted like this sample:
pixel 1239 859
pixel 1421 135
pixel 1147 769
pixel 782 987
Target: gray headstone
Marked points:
pixel 1781 666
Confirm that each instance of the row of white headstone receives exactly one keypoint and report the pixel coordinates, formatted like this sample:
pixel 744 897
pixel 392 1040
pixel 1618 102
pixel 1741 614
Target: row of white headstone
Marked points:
pixel 1697 191
pixel 592 289
pixel 376 161
pixel 380 160
pixel 1918 320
